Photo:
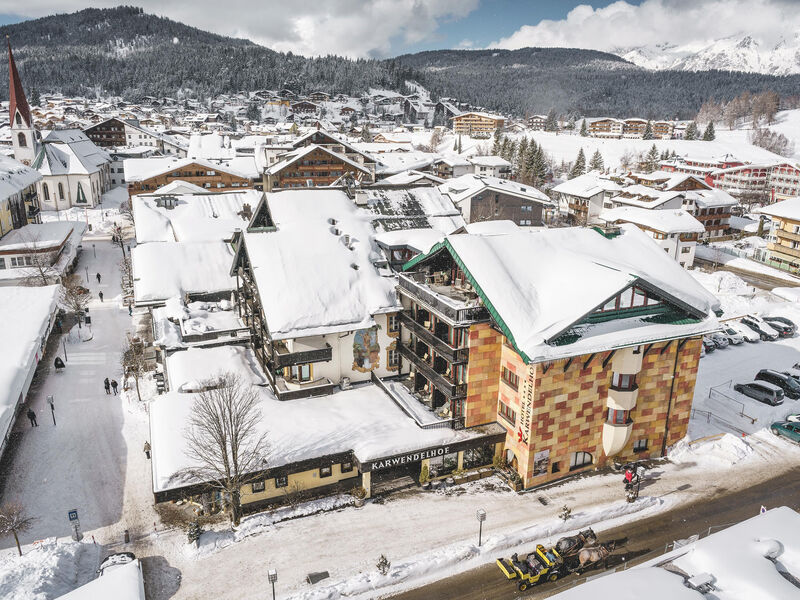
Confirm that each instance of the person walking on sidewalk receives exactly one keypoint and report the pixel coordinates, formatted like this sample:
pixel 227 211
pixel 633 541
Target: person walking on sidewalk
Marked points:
pixel 147 449
pixel 114 385
pixel 101 296
pixel 32 418
pixel 130 310
pixel 107 385
pixel 98 277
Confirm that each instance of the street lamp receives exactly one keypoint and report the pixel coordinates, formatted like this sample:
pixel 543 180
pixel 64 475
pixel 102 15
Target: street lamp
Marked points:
pixel 481 515
pixel 273 577
pixel 51 402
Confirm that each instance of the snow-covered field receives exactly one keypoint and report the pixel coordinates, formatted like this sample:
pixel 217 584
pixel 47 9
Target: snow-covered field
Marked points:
pixel 786 122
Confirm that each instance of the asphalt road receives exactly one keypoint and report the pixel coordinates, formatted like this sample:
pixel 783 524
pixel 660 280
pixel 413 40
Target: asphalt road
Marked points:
pixel 637 542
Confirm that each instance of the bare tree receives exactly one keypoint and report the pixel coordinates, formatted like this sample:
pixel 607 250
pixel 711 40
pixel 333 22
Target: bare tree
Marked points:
pixel 14 521
pixel 126 276
pixel 134 363
pixel 39 269
pixel 126 209
pixel 74 296
pixel 225 438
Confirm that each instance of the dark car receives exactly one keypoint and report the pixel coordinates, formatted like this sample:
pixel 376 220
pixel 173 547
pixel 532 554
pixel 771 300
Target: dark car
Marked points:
pixel 709 345
pixel 786 382
pixel 783 325
pixel 762 391
pixel 763 332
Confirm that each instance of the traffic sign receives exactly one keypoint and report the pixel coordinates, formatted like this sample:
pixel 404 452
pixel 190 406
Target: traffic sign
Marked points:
pixel 73 515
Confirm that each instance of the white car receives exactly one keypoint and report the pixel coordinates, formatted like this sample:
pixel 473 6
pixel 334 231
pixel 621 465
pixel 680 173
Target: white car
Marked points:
pixel 734 337
pixel 747 334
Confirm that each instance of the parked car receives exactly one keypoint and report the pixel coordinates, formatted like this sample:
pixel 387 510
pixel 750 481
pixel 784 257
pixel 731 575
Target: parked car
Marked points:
pixel 795 418
pixel 789 385
pixel 764 331
pixel 787 429
pixel 762 391
pixel 784 326
pixel 708 345
pixel 734 337
pixel 748 334
pixel 720 341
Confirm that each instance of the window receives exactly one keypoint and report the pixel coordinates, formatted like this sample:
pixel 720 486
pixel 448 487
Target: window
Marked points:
pixel 394 323
pixel 325 471
pixel 46 191
pixel 23 142
pixel 392 357
pixel 623 382
pixel 510 378
pixel 579 459
pixel 508 414
pixel 2 263
pixel 347 467
pixel 685 250
pixel 640 445
pixel 282 482
pixel 617 417
pixel 18 119
pixel 257 486
pixel 300 372
pixel 60 191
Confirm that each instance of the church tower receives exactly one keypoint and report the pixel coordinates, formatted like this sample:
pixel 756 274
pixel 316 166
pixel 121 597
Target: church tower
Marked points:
pixel 24 137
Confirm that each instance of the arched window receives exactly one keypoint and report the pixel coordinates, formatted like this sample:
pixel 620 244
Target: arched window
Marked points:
pixel 46 191
pixel 60 191
pixel 579 459
pixel 23 142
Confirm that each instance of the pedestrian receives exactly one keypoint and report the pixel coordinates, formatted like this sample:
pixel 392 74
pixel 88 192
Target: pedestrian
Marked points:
pixel 32 418
pixel 101 296
pixel 147 449
pixel 98 277
pixel 130 310
pixel 114 385
pixel 107 385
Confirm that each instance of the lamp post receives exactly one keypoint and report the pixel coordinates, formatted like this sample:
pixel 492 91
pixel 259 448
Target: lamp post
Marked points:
pixel 481 515
pixel 273 577
pixel 64 345
pixel 51 402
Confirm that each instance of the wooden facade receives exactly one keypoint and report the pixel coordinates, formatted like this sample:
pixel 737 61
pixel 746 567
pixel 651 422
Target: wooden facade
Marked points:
pixel 314 169
pixel 471 122
pixel 110 132
pixel 214 179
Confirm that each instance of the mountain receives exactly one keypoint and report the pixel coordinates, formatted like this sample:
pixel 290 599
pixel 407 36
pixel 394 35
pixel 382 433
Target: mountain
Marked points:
pixel 127 52
pixel 579 82
pixel 124 51
pixel 737 53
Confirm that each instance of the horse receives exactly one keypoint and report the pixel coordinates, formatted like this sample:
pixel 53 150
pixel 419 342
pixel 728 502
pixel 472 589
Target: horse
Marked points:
pixel 588 557
pixel 567 546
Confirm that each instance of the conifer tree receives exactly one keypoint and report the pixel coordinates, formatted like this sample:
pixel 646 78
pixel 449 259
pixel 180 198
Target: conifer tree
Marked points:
pixel 709 135
pixel 584 130
pixel 498 142
pixel 522 151
pixel 539 167
pixel 651 160
pixel 579 166
pixel 551 123
pixel 596 163
pixel 648 131
pixel 691 131
pixel 530 161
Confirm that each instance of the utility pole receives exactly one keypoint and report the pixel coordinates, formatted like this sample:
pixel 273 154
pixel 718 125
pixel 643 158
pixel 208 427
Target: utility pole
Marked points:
pixel 64 345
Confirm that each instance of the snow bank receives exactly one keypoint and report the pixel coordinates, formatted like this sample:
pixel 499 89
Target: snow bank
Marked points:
pixel 51 569
pixel 723 451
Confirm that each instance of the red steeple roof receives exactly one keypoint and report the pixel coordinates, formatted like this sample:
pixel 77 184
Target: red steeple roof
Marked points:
pixel 16 95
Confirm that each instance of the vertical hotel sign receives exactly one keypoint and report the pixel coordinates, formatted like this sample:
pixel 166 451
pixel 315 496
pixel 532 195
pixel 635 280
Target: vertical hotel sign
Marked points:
pixel 526 406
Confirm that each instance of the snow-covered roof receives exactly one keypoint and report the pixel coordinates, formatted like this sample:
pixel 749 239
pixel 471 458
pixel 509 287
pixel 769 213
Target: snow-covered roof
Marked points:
pixel 411 208
pixel 410 177
pixel 38 236
pixel 194 218
pixel 178 186
pixel 785 209
pixel 308 280
pixel 480 114
pixel 162 270
pixel 390 163
pixel 69 152
pixel 538 300
pixel 741 562
pixel 453 161
pixel 587 185
pixel 362 419
pixel 26 317
pixel 644 196
pixel 15 177
pixel 121 582
pixel 493 227
pixel 421 240
pixel 489 161
pixel 292 157
pixel 140 169
pixel 466 186
pixel 712 198
pixel 664 221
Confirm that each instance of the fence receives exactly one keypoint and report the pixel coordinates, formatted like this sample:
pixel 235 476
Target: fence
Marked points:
pixel 715 393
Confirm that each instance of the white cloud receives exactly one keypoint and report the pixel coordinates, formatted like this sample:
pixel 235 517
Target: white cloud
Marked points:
pixel 355 28
pixel 621 25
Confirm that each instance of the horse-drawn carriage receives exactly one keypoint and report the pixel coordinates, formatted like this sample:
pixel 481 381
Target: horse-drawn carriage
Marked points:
pixel 572 554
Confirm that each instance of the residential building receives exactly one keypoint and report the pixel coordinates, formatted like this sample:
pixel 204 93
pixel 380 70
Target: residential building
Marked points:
pixel 449 167
pixel 19 201
pixel 783 249
pixel 479 123
pixel 40 253
pixel 149 174
pixel 583 198
pixel 490 198
pixel 634 128
pixel 537 122
pixel 492 166
pixel 605 127
pixel 578 374
pixel 313 166
pixel 117 132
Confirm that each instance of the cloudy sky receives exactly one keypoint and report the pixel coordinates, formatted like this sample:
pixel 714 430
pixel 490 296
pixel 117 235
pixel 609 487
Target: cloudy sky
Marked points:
pixel 380 28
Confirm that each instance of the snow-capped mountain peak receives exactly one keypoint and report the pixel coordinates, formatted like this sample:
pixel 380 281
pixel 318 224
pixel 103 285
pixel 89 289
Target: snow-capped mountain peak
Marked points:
pixel 736 53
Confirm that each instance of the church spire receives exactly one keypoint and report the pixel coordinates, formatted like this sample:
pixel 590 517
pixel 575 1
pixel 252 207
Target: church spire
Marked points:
pixel 16 95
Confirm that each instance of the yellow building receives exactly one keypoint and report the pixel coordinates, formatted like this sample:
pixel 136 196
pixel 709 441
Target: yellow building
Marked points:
pixel 783 249
pixel 477 122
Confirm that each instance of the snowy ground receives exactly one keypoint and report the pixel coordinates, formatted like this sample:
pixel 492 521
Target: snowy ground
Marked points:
pixel 102 218
pixel 93 461
pixel 786 122
pixel 744 264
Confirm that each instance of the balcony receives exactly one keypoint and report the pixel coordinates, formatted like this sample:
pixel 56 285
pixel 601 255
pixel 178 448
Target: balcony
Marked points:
pixel 443 349
pixel 620 399
pixel 304 351
pixel 785 250
pixel 615 437
pixel 290 390
pixel 456 305
pixel 788 235
pixel 440 382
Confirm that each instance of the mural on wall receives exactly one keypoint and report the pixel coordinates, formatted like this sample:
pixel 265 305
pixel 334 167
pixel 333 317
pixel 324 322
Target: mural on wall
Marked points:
pixel 541 460
pixel 366 350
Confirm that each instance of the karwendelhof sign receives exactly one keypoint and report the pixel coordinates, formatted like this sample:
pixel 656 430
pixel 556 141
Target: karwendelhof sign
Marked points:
pixel 405 459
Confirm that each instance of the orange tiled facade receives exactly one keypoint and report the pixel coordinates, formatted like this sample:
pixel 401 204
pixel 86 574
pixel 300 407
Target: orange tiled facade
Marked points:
pixel 483 376
pixel 558 410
